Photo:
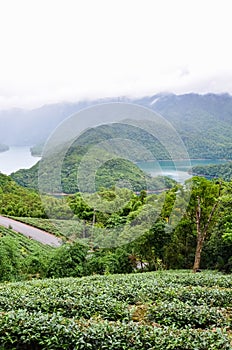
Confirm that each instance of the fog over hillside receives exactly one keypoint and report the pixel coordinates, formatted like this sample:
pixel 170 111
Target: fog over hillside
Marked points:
pixel 204 118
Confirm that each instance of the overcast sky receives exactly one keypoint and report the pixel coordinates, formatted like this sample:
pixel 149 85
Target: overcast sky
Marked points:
pixel 68 50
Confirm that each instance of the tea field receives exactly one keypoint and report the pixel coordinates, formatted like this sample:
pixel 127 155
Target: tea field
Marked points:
pixel 156 310
pixel 66 229
pixel 26 244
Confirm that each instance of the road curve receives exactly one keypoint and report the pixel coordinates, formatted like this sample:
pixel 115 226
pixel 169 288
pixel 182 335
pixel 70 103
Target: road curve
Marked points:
pixel 31 232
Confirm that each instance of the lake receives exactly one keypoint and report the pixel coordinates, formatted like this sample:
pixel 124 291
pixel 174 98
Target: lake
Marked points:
pixel 16 158
pixel 20 158
pixel 177 170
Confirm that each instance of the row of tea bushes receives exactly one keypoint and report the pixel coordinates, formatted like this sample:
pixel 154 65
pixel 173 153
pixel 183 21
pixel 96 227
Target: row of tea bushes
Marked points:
pixel 181 315
pixel 158 310
pixel 23 330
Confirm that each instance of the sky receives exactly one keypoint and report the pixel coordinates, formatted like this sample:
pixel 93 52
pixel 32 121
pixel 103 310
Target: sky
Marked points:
pixel 69 50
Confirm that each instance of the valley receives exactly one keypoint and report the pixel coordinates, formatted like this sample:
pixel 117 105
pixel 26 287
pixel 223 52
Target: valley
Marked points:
pixel 115 264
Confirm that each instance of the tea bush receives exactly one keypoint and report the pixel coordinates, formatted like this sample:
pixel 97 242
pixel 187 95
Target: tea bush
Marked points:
pixel 158 310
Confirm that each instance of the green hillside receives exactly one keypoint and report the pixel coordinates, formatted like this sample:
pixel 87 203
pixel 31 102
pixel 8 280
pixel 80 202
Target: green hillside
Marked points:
pixel 25 244
pixel 18 201
pixel 222 171
pixel 117 170
pixel 204 122
pixel 159 311
pixel 21 257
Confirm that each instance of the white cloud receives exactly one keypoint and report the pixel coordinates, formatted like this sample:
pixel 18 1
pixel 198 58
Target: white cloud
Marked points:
pixel 68 50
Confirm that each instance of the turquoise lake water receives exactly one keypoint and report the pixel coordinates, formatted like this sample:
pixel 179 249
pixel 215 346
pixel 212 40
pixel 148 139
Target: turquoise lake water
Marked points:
pixel 177 170
pixel 20 158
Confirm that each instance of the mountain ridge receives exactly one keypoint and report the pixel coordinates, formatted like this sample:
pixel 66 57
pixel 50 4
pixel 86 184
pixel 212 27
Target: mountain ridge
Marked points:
pixel 203 120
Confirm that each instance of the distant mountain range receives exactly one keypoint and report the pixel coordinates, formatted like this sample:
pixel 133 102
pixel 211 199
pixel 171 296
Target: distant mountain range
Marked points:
pixel 204 122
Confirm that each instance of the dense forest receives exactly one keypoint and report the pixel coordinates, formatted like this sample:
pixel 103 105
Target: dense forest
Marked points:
pixel 222 171
pixel 119 161
pixel 119 170
pixel 118 238
pixel 203 122
pixel 128 218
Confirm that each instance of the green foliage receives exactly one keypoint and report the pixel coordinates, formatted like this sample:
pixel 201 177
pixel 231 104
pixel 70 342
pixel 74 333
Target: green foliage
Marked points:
pixel 9 262
pixel 222 171
pixel 160 247
pixel 208 192
pixel 217 253
pixel 109 262
pixel 21 257
pixel 182 314
pixel 150 246
pixel 117 216
pixel 180 251
pixel 111 167
pixel 69 229
pixel 27 177
pixel 175 310
pixel 116 171
pixel 67 261
pixel 18 201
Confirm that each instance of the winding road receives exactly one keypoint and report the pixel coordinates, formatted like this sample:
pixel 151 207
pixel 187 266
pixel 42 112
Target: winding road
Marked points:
pixel 31 232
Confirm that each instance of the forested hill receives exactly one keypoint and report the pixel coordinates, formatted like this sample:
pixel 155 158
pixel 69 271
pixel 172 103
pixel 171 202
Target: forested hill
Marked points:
pixel 119 172
pixel 203 121
pixel 18 201
pixel 222 171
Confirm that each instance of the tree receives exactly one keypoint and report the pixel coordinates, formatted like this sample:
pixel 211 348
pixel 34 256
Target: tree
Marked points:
pixel 68 261
pixel 202 208
pixel 218 250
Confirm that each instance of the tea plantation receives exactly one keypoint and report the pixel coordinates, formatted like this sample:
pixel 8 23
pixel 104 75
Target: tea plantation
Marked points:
pixel 157 310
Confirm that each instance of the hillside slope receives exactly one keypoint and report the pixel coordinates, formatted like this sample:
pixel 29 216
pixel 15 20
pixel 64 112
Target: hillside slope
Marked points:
pixel 203 121
pixel 222 171
pixel 158 311
pixel 18 201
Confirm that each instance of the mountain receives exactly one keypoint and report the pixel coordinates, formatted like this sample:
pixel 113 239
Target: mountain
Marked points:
pixel 22 127
pixel 29 127
pixel 204 122
pixel 117 171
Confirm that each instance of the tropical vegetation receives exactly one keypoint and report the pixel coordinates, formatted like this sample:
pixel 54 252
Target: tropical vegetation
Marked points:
pixel 222 171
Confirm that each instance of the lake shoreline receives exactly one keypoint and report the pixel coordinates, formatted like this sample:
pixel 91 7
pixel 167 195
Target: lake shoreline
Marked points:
pixel 183 160
pixel 16 158
pixel 180 169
